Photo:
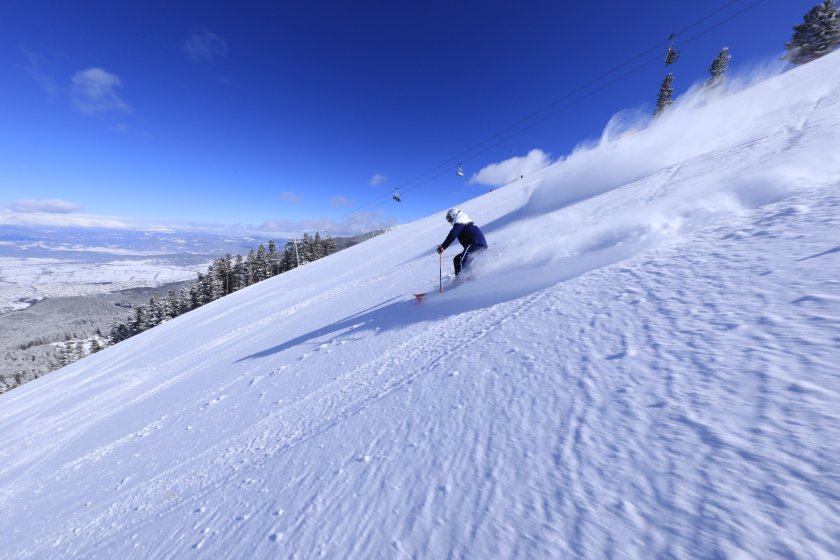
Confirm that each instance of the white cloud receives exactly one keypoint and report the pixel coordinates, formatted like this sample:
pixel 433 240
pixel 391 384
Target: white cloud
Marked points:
pixel 354 224
pixel 290 197
pixel 47 205
pixel 206 47
pixel 502 173
pixel 339 201
pixel 95 91
pixel 34 66
pixel 31 218
pixel 378 179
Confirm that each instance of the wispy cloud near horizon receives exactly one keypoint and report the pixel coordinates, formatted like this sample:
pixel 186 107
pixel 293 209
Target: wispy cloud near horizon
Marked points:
pixel 60 214
pixel 378 179
pixel 46 205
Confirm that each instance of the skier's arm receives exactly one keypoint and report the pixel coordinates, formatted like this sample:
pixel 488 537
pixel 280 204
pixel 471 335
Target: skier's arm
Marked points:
pixel 453 234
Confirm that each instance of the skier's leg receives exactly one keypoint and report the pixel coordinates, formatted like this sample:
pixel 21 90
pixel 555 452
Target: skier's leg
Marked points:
pixel 456 262
pixel 466 257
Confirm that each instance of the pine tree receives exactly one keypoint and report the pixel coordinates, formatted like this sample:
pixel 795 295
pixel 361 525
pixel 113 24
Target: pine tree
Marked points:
pixel 95 346
pixel 273 259
pixel 184 300
pixel 119 331
pixel 154 314
pixel 240 273
pixel 250 267
pixel 666 92
pixel 172 305
pixel 137 323
pixel 816 36
pixel 211 288
pixel 289 256
pixel 195 293
pixel 718 68
pixel 226 274
pixel 307 249
pixel 328 245
pixel 68 354
pixel 317 246
pixel 261 264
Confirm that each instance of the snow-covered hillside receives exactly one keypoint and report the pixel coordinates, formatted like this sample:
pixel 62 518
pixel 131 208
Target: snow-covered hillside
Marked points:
pixel 646 366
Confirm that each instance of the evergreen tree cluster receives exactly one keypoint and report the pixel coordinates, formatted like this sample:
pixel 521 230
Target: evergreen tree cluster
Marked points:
pixel 224 276
pixel 817 35
pixel 75 349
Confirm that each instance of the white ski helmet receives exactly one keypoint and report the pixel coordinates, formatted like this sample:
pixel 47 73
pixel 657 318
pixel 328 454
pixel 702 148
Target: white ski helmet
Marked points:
pixel 457 216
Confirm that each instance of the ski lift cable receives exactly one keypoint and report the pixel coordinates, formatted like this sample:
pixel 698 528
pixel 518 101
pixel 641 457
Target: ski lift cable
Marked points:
pixel 721 22
pixel 594 91
pixel 472 153
pixel 592 82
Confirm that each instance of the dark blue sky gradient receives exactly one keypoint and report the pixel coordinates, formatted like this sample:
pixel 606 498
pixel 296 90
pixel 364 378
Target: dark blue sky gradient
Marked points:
pixel 313 99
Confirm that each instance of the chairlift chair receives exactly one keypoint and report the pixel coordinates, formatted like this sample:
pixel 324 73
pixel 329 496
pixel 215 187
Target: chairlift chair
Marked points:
pixel 672 55
pixel 460 171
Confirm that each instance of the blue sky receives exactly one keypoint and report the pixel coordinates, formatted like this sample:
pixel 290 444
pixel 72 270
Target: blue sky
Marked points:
pixel 286 116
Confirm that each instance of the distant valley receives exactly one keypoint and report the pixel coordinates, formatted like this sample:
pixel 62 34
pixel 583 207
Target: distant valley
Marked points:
pixel 60 284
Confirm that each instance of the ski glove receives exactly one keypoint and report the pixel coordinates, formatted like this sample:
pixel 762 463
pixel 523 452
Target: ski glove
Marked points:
pixel 440 249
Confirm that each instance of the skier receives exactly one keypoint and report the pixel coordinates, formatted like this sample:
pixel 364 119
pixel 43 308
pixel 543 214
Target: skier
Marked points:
pixel 467 234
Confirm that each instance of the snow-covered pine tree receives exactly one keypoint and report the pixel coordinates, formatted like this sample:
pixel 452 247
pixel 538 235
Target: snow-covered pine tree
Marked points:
pixel 718 68
pixel 184 300
pixel 273 259
pixel 317 246
pixel 262 264
pixel 173 306
pixel 228 274
pixel 67 355
pixel 289 256
pixel 666 93
pixel 239 274
pixel 205 286
pixel 307 249
pixel 95 346
pixel 251 268
pixel 119 331
pixel 137 323
pixel 195 292
pixel 213 287
pixel 817 35
pixel 154 314
pixel 328 245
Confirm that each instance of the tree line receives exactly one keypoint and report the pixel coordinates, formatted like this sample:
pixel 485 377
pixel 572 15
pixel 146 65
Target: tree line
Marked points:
pixel 224 276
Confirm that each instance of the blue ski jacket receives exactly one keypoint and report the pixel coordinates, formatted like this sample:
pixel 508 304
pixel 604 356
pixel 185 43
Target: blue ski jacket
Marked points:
pixel 467 234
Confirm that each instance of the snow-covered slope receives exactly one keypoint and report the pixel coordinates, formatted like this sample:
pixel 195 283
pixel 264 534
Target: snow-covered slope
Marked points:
pixel 646 366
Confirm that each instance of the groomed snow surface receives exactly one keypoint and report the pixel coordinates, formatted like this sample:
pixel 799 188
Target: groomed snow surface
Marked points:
pixel 645 365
